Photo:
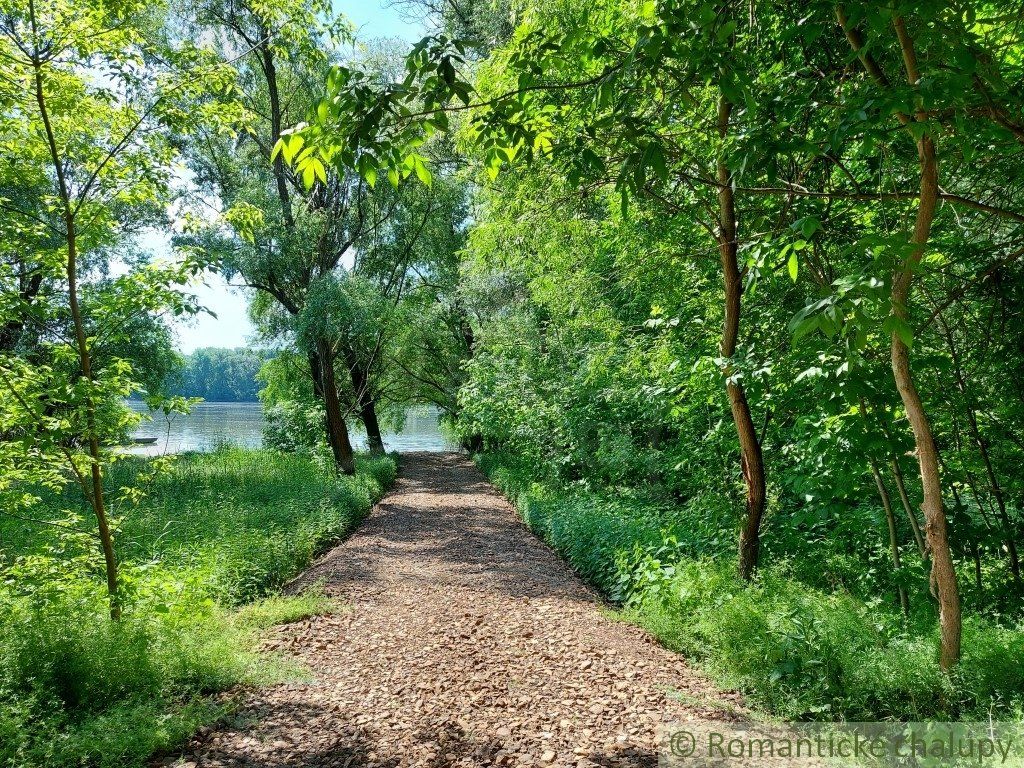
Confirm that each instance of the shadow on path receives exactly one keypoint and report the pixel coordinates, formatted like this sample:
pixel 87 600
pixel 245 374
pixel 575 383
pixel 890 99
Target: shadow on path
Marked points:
pixel 464 641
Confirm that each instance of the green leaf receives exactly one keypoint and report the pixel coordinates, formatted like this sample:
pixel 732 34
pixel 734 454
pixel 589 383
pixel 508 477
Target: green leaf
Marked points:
pixel 291 147
pixel 278 146
pixel 900 328
pixel 792 265
pixel 422 172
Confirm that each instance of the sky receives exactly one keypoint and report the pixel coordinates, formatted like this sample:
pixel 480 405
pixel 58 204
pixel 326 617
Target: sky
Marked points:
pixel 231 326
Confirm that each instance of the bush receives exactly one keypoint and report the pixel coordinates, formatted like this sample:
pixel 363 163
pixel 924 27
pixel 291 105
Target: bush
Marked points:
pixel 290 425
pixel 217 530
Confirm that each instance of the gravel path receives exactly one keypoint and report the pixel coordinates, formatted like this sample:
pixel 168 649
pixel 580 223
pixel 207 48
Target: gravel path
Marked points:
pixel 464 642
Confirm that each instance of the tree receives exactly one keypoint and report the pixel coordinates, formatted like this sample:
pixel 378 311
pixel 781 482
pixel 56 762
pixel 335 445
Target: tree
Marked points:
pixel 90 162
pixel 603 95
pixel 286 236
pixel 218 375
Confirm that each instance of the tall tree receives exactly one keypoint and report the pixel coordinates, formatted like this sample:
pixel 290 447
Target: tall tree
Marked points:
pixel 90 164
pixel 287 235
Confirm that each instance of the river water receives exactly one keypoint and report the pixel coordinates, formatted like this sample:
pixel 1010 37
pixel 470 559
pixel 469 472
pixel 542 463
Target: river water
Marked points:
pixel 212 424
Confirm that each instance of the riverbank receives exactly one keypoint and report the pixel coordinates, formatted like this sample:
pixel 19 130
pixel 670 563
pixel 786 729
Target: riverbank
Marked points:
pixel 203 554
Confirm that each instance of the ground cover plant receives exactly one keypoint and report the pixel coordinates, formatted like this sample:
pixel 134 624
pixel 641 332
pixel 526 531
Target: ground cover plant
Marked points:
pixel 729 295
pixel 799 647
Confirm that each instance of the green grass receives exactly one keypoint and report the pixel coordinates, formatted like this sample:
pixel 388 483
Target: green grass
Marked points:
pixel 214 533
pixel 796 650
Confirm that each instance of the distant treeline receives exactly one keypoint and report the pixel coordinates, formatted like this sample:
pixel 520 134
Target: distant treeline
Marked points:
pixel 219 375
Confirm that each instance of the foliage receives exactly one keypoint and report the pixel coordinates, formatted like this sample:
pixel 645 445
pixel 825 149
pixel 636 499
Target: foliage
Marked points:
pixel 218 375
pixel 799 651
pixel 655 150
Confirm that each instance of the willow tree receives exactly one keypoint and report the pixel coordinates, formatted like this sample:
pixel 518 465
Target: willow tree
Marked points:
pixel 286 229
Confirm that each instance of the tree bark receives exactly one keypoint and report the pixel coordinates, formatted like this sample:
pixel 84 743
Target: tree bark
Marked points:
pixel 751 459
pixel 365 401
pixel 367 409
pixel 315 374
pixel 943 574
pixel 368 413
pixel 936 527
pixel 270 73
pixel 337 431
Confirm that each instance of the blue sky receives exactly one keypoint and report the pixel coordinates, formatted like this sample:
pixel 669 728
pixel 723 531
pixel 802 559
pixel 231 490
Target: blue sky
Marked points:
pixel 373 18
pixel 231 327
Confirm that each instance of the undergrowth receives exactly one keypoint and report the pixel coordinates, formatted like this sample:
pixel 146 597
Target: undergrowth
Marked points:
pixel 796 650
pixel 203 556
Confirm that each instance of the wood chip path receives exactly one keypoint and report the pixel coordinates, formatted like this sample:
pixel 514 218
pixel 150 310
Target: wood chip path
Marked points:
pixel 464 641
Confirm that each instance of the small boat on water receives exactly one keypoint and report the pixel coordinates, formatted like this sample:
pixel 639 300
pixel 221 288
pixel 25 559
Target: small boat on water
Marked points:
pixel 143 440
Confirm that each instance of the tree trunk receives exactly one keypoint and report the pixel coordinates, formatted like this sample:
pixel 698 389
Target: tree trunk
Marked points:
pixel 315 374
pixel 915 525
pixel 96 497
pixel 890 519
pixel 93 488
pixel 943 575
pixel 367 404
pixel 752 462
pixel 936 528
pixel 270 73
pixel 901 487
pixel 337 431
pixel 894 547
pixel 368 412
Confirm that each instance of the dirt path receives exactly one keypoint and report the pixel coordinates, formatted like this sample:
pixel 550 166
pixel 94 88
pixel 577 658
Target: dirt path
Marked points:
pixel 466 642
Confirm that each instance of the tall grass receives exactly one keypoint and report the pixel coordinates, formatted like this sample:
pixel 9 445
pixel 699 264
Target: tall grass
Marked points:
pixel 215 531
pixel 796 650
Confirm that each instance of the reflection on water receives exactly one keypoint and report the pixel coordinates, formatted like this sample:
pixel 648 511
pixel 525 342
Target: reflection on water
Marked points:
pixel 211 424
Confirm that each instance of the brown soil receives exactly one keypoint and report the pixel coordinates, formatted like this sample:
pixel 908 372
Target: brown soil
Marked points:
pixel 465 641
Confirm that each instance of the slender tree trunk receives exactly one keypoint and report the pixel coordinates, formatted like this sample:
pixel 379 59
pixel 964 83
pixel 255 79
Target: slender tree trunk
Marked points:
pixel 915 525
pixel 95 492
pixel 337 431
pixel 894 547
pixel 752 461
pixel 976 557
pixel 890 519
pixel 901 488
pixel 270 73
pixel 936 527
pixel 982 444
pixel 943 575
pixel 96 470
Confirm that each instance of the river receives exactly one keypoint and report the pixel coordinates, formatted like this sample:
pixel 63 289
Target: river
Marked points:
pixel 212 424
